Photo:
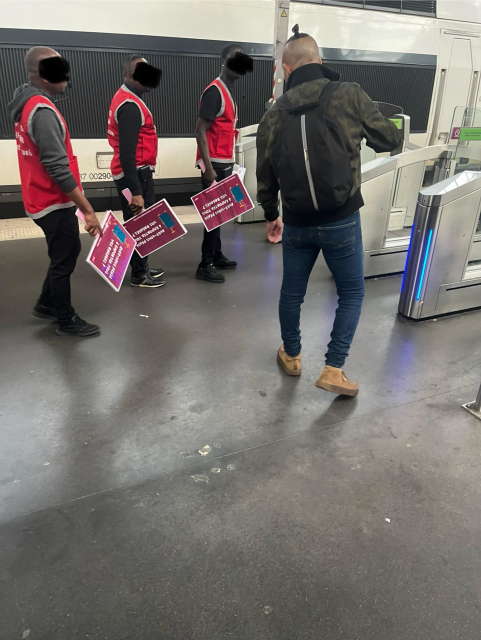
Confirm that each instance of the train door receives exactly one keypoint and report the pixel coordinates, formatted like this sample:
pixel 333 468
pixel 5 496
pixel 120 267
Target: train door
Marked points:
pixel 460 62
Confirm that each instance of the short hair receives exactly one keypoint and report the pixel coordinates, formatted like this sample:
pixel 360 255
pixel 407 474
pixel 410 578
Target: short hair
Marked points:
pixel 228 48
pixel 297 35
pixel 128 61
pixel 34 56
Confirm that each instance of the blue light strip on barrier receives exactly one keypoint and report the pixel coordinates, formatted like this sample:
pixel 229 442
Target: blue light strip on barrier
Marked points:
pixel 424 264
pixel 407 257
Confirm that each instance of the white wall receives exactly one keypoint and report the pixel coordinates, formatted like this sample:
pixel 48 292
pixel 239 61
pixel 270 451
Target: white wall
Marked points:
pixel 465 10
pixel 236 20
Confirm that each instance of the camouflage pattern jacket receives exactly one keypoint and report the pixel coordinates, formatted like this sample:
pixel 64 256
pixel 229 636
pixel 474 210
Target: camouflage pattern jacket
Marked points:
pixel 357 118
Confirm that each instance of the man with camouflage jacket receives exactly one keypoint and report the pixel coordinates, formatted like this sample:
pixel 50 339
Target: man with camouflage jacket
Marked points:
pixel 335 232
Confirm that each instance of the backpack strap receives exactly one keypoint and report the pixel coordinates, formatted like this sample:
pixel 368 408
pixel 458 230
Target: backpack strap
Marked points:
pixel 284 104
pixel 326 94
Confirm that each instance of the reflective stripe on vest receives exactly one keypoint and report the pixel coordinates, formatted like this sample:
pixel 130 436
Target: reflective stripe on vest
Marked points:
pixel 222 133
pixel 40 192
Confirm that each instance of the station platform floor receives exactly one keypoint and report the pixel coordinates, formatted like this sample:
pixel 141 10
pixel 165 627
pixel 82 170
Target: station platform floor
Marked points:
pixel 166 479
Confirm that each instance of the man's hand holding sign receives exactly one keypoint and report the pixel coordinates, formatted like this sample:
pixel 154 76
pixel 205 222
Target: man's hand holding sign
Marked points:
pixel 222 202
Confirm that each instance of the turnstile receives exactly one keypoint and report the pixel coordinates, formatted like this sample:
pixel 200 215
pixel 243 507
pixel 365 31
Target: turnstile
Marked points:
pixel 443 267
pixel 390 187
pixel 246 156
pixel 402 122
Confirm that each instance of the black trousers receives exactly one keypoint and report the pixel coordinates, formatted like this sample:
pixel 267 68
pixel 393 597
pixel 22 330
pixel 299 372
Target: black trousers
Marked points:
pixel 211 246
pixel 139 265
pixel 63 241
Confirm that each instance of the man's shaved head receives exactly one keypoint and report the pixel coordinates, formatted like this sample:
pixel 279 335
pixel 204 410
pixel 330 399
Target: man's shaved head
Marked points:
pixel 300 50
pixel 129 64
pixel 34 56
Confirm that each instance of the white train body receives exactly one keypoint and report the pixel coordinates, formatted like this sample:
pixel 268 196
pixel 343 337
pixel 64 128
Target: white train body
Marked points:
pixel 186 31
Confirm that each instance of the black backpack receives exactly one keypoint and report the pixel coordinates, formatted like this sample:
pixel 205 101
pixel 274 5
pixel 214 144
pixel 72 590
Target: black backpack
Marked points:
pixel 314 169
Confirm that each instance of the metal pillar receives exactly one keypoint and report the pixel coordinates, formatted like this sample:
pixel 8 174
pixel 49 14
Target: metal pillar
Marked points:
pixel 474 407
pixel 281 36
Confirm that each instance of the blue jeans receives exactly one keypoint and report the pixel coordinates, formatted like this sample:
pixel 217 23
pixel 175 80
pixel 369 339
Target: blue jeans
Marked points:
pixel 341 244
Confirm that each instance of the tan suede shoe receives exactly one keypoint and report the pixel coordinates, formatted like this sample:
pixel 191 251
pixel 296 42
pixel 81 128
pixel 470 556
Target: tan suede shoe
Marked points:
pixel 334 380
pixel 292 366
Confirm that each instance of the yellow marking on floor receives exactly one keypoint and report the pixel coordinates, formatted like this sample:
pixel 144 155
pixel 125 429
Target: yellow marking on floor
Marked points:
pixel 22 228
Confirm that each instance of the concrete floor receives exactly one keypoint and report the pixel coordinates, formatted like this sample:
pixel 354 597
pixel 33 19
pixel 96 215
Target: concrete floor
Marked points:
pixel 309 517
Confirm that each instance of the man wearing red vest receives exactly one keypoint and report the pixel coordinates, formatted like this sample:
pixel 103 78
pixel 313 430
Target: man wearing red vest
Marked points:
pixel 132 135
pixel 51 186
pixel 216 136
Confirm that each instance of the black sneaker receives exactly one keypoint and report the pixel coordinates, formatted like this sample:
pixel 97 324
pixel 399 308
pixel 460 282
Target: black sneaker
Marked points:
pixel 225 263
pixel 77 327
pixel 156 273
pixel 147 282
pixel 41 311
pixel 209 273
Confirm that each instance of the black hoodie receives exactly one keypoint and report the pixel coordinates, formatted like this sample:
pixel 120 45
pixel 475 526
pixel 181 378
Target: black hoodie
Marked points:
pixel 47 132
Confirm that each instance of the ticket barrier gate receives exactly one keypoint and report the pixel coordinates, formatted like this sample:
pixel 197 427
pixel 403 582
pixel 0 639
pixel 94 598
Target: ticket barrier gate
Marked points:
pixel 390 187
pixel 246 156
pixel 402 122
pixel 443 269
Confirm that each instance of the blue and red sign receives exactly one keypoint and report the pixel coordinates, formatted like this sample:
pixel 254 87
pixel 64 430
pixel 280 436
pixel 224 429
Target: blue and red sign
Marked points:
pixel 155 227
pixel 222 202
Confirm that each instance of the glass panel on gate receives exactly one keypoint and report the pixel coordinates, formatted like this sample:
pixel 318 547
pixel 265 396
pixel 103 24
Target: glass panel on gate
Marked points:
pixel 387 109
pixel 466 131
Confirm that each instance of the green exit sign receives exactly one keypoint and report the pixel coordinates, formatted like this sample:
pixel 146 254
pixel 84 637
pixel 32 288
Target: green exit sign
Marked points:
pixel 398 122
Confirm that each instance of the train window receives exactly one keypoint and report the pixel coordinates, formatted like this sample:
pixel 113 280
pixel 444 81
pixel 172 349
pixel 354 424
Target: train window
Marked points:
pixel 96 76
pixel 356 3
pixel 391 5
pixel 408 86
pixel 419 6
pixel 424 7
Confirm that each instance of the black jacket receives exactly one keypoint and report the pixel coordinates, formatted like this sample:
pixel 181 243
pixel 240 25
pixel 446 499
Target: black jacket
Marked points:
pixel 356 117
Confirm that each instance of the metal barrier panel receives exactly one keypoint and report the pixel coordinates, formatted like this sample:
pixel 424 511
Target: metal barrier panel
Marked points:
pixel 441 277
pixel 390 187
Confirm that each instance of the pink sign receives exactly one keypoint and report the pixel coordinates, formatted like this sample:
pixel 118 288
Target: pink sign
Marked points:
pixel 455 133
pixel 222 202
pixel 110 254
pixel 155 227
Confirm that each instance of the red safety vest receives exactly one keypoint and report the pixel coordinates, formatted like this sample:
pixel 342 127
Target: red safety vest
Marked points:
pixel 222 134
pixel 40 192
pixel 146 152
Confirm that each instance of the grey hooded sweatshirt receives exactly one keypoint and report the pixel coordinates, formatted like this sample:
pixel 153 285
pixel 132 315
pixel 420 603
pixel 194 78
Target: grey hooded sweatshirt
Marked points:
pixel 47 131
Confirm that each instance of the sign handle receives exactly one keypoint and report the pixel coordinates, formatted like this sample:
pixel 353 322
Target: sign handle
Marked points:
pixel 127 195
